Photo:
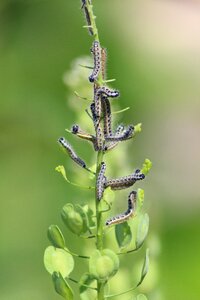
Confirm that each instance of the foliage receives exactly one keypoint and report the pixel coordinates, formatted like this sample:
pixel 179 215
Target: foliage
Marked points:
pixel 131 226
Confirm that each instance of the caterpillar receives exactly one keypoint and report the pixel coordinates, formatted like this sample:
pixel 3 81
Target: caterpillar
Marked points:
pixel 98 145
pixel 125 135
pixel 106 115
pixel 82 134
pixel 97 103
pixel 124 182
pixel 113 144
pixel 103 62
pixel 96 50
pixel 108 92
pixel 87 17
pixel 68 148
pixel 127 214
pixel 100 181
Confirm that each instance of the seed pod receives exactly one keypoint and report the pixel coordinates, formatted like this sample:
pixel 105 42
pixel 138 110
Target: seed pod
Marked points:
pixel 68 148
pixel 124 182
pixel 100 181
pixel 96 50
pixel 127 214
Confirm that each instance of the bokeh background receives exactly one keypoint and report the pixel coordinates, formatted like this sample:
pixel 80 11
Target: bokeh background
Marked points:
pixel 154 53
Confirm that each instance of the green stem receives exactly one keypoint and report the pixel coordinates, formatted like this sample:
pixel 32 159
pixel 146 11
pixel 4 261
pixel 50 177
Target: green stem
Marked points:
pixel 99 223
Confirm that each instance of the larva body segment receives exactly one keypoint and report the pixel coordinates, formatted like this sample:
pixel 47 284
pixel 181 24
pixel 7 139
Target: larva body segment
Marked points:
pixel 96 50
pixel 106 115
pixel 97 103
pixel 124 182
pixel 108 92
pixel 113 144
pixel 103 62
pixel 87 16
pixel 68 148
pixel 127 214
pixel 125 135
pixel 82 134
pixel 100 181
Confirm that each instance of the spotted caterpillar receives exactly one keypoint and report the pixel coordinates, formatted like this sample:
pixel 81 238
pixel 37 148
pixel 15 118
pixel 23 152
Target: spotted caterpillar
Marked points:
pixel 96 50
pixel 125 135
pixel 100 181
pixel 68 148
pixel 87 17
pixel 127 214
pixel 108 92
pixel 124 182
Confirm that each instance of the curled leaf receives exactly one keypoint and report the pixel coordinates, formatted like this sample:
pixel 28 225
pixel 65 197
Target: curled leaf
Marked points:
pixel 86 293
pixel 56 237
pixel 61 170
pixel 145 267
pixel 142 230
pixel 138 128
pixel 62 287
pixel 147 165
pixel 123 234
pixel 73 219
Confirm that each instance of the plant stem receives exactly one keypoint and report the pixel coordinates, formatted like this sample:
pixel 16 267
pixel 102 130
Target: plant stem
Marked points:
pixel 99 223
pixel 99 233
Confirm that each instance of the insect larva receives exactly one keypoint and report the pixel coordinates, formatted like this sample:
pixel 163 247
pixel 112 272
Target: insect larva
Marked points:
pixel 103 62
pixel 127 214
pixel 100 181
pixel 112 145
pixel 99 137
pixel 124 182
pixel 97 103
pixel 87 17
pixel 127 134
pixel 68 148
pixel 96 50
pixel 106 115
pixel 82 134
pixel 108 92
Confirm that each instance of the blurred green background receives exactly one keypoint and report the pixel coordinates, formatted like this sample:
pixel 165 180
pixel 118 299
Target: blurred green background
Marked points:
pixel 153 51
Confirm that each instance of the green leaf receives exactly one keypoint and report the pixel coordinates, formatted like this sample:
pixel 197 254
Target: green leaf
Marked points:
pixel 142 230
pixel 90 215
pixel 61 169
pixel 55 236
pixel 93 169
pixel 109 196
pixel 85 292
pixel 61 286
pixel 141 297
pixel 140 199
pixel 138 128
pixel 84 216
pixel 58 260
pixel 145 267
pixel 104 264
pixel 73 219
pixel 123 234
pixel 147 165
